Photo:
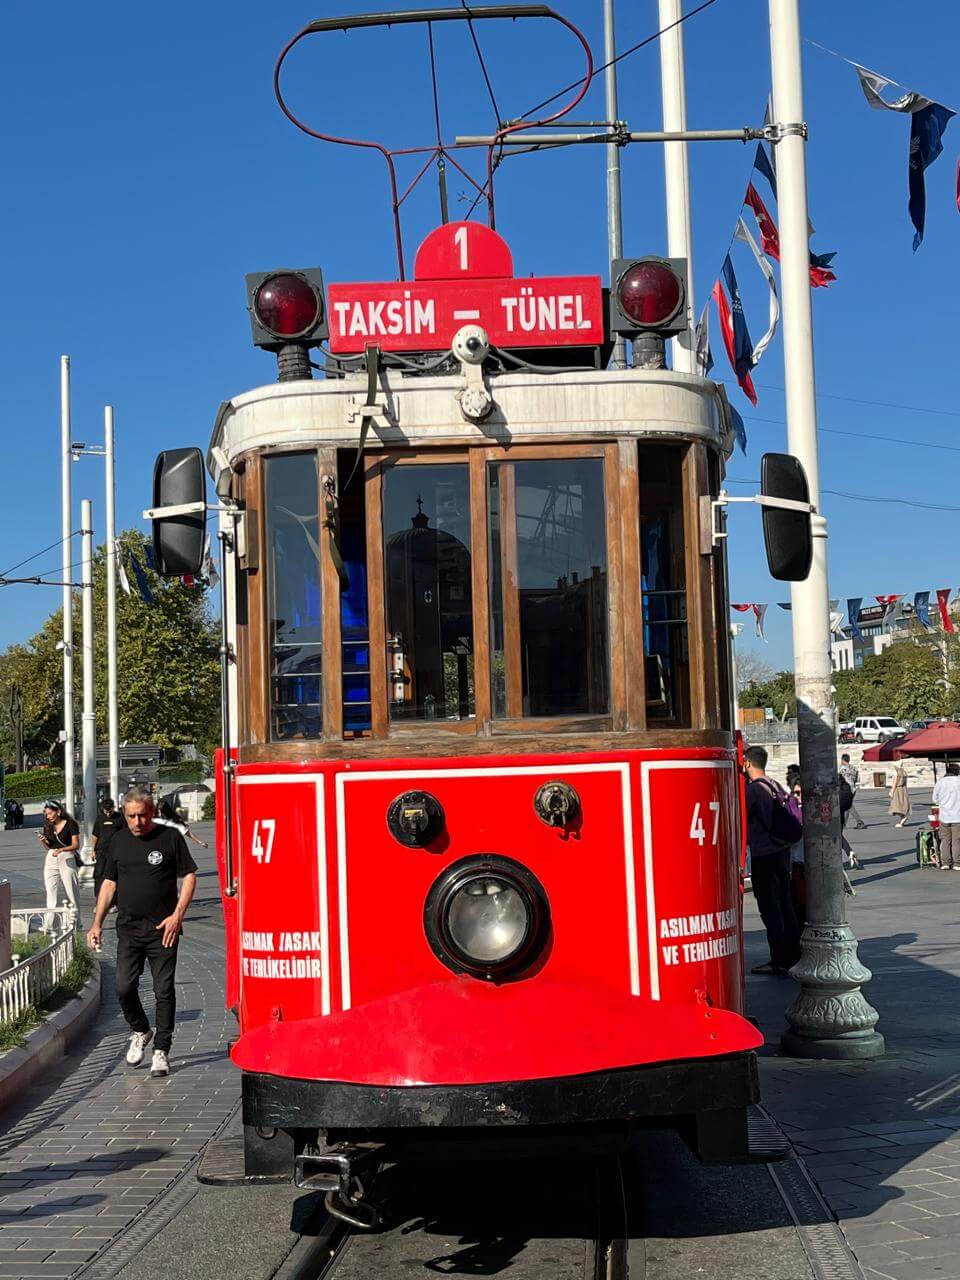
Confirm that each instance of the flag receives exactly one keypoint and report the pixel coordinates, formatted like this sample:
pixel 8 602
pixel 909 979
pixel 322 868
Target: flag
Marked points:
pixel 742 343
pixel 742 233
pixel 758 612
pixel 836 618
pixel 927 128
pixel 143 586
pixel 928 122
pixel 704 354
pixel 785 604
pixel 209 568
pixel 763 165
pixel 921 608
pixel 853 613
pixel 820 274
pixel 739 427
pixel 892 610
pixel 150 557
pixel 769 235
pixel 188 580
pixel 121 571
pixel 742 608
pixel 942 599
pixel 726 330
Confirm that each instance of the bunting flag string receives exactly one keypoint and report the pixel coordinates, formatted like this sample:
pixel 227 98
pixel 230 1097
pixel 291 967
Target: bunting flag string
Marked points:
pixel 729 335
pixel 893 607
pixel 820 273
pixel 853 613
pixel 928 123
pixel 703 353
pixel 942 601
pixel 921 608
pixel 143 586
pixel 742 233
pixel 759 612
pixel 121 571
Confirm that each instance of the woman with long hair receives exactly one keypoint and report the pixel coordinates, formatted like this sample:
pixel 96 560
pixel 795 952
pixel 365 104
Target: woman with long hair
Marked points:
pixel 60 837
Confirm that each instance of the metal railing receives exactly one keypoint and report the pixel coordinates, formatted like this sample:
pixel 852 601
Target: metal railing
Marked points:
pixel 34 978
pixel 770 731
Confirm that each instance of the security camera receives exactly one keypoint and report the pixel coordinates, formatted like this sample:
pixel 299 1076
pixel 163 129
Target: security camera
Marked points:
pixel 471 344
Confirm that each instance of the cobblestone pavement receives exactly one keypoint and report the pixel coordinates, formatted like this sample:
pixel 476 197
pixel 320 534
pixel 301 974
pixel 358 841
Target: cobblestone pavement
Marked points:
pixel 883 1139
pixel 87 1151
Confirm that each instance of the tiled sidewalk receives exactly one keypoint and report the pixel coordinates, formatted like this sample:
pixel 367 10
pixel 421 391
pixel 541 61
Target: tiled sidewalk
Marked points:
pixel 883 1139
pixel 89 1150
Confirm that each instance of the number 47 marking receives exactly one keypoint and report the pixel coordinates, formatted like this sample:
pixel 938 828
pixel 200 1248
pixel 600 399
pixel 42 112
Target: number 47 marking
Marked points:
pixel 697 830
pixel 262 852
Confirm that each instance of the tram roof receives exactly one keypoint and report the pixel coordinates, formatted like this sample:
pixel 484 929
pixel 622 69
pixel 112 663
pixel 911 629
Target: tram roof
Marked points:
pixel 424 411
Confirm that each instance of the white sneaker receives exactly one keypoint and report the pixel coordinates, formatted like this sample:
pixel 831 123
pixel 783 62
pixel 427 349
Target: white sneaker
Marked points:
pixel 138 1042
pixel 159 1066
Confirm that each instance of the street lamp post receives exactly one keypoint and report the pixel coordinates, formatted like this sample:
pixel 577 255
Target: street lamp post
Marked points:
pixel 88 720
pixel 830 1017
pixel 66 520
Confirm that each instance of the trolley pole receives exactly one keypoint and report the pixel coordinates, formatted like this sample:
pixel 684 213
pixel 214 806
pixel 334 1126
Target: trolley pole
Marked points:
pixel 830 1017
pixel 89 720
pixel 67 563
pixel 111 567
pixel 677 171
pixel 618 359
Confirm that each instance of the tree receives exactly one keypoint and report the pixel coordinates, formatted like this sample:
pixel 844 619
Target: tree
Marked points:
pixel 906 680
pixel 752 668
pixel 167 657
pixel 777 693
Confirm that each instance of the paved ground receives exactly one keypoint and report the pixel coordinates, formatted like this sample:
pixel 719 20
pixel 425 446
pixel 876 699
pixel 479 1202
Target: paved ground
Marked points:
pixel 883 1139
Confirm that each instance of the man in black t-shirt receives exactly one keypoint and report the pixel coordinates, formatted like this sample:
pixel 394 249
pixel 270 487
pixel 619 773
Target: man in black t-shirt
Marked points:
pixel 109 822
pixel 144 861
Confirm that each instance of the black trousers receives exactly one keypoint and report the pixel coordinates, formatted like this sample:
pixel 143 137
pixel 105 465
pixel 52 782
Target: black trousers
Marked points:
pixel 772 890
pixel 138 944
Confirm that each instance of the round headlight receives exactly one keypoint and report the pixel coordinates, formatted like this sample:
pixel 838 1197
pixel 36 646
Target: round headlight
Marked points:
pixel 487 916
pixel 487 919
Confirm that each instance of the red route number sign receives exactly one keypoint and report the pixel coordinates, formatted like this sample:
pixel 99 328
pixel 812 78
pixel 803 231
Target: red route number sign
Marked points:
pixel 463 274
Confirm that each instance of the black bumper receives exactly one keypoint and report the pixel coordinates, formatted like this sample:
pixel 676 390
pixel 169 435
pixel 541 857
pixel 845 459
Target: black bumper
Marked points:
pixel 661 1091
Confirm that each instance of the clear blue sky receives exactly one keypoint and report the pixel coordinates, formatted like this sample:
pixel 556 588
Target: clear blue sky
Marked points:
pixel 148 168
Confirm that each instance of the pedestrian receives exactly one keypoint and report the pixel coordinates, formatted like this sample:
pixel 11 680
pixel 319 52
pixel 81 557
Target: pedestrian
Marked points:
pixel 900 797
pixel 798 885
pixel 166 817
pixel 772 830
pixel 851 774
pixel 109 822
pixel 143 864
pixel 946 794
pixel 845 796
pixel 60 836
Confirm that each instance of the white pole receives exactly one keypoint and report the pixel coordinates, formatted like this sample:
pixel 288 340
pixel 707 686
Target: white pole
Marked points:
pixel 735 629
pixel 111 566
pixel 89 720
pixel 830 1018
pixel 66 519
pixel 618 359
pixel 677 171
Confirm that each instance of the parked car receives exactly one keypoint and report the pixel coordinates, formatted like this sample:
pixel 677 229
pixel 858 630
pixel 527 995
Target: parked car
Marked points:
pixel 846 733
pixel 915 725
pixel 876 728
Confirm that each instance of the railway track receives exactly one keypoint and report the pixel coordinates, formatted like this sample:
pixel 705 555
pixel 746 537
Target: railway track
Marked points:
pixel 562 1220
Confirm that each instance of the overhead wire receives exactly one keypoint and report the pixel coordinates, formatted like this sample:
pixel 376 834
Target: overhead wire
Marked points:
pixel 863 435
pixel 874 404
pixel 38 554
pixel 862 497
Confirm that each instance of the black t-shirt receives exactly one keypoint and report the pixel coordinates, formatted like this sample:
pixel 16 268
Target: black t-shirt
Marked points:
pixel 146 869
pixel 63 838
pixel 105 828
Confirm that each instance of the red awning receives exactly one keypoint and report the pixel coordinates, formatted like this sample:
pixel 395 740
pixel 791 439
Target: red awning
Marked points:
pixel 936 741
pixel 889 749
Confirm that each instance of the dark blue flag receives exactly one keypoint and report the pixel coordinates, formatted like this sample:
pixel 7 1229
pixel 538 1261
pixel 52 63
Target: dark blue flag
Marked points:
pixel 142 584
pixel 927 127
pixel 149 557
pixel 763 165
pixel 921 608
pixel 853 613
pixel 739 429
pixel 742 343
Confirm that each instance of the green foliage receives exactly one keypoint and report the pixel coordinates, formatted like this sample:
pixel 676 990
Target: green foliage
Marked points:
pixel 30 945
pixel 77 972
pixel 13 1034
pixel 906 680
pixel 35 784
pixel 186 771
pixel 167 657
pixel 776 693
pixel 209 808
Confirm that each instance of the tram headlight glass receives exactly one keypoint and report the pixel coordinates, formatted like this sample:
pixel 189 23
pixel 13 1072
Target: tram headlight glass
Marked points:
pixel 488 919
pixel 650 293
pixel 287 305
pixel 487 916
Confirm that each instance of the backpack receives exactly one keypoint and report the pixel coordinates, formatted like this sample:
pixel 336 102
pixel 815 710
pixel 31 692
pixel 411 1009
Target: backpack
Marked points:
pixel 785 827
pixel 846 796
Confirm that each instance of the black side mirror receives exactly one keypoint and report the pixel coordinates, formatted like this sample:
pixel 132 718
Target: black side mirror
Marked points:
pixel 786 534
pixel 178 540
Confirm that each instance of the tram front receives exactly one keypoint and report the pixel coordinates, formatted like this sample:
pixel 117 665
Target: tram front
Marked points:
pixel 480 813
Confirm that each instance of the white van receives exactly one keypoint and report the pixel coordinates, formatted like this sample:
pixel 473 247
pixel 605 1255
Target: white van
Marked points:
pixel 876 728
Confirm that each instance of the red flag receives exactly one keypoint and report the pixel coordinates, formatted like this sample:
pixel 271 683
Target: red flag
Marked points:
pixel 188 580
pixel 769 235
pixel 887 600
pixel 942 598
pixel 820 277
pixel 726 329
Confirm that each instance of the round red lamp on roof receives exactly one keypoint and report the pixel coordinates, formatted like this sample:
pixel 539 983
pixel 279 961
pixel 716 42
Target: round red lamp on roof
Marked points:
pixel 650 293
pixel 287 305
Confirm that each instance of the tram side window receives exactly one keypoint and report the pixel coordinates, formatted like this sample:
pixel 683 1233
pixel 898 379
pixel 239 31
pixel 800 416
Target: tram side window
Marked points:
pixel 663 567
pixel 429 597
pixel 548 588
pixel 293 591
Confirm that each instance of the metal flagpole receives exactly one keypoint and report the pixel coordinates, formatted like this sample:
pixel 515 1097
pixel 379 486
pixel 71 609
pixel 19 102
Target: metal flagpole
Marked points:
pixel 830 1017
pixel 618 359
pixel 67 563
pixel 676 170
pixel 89 721
pixel 111 566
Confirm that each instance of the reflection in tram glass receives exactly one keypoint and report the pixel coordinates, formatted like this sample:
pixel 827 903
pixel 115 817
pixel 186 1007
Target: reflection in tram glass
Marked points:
pixel 427 567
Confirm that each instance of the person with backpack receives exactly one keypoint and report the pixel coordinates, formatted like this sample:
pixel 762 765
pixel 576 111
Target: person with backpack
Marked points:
pixel 772 830
pixel 845 795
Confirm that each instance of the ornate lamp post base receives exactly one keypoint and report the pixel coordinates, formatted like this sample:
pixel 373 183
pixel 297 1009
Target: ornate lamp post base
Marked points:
pixel 830 1017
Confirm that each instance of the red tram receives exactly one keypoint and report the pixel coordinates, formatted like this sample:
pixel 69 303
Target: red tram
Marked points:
pixel 480 825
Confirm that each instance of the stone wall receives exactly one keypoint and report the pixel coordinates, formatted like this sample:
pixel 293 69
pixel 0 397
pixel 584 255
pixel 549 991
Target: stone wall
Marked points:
pixel 919 772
